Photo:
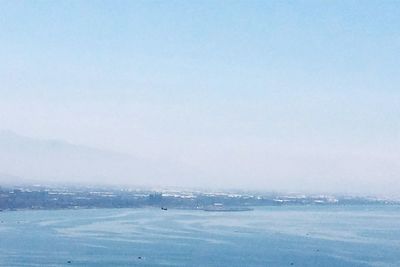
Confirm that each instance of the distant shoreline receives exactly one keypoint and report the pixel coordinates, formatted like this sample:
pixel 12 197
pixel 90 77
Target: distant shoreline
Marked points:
pixel 53 198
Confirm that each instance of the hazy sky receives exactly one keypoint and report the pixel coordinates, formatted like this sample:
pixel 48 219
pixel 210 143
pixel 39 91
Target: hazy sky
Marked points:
pixel 278 95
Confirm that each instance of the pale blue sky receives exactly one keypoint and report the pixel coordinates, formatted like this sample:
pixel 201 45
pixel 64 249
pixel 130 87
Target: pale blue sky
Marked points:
pixel 263 93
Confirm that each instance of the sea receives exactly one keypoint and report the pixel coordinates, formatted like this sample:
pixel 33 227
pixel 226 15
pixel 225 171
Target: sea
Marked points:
pixel 265 236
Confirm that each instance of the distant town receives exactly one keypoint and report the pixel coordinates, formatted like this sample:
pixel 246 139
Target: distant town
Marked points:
pixel 45 197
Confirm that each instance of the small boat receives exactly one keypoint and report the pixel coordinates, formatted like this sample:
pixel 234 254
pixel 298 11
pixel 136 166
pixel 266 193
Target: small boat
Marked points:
pixel 164 208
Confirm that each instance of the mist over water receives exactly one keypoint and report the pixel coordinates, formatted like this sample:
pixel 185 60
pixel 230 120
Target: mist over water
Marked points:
pixel 26 160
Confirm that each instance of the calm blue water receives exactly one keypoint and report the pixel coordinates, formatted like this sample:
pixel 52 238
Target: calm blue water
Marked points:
pixel 268 236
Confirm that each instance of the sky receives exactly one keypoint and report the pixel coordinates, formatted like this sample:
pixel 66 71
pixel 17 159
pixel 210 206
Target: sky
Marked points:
pixel 272 95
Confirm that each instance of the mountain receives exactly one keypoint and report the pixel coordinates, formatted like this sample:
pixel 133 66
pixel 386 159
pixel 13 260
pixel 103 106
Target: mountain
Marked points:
pixel 7 179
pixel 60 161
